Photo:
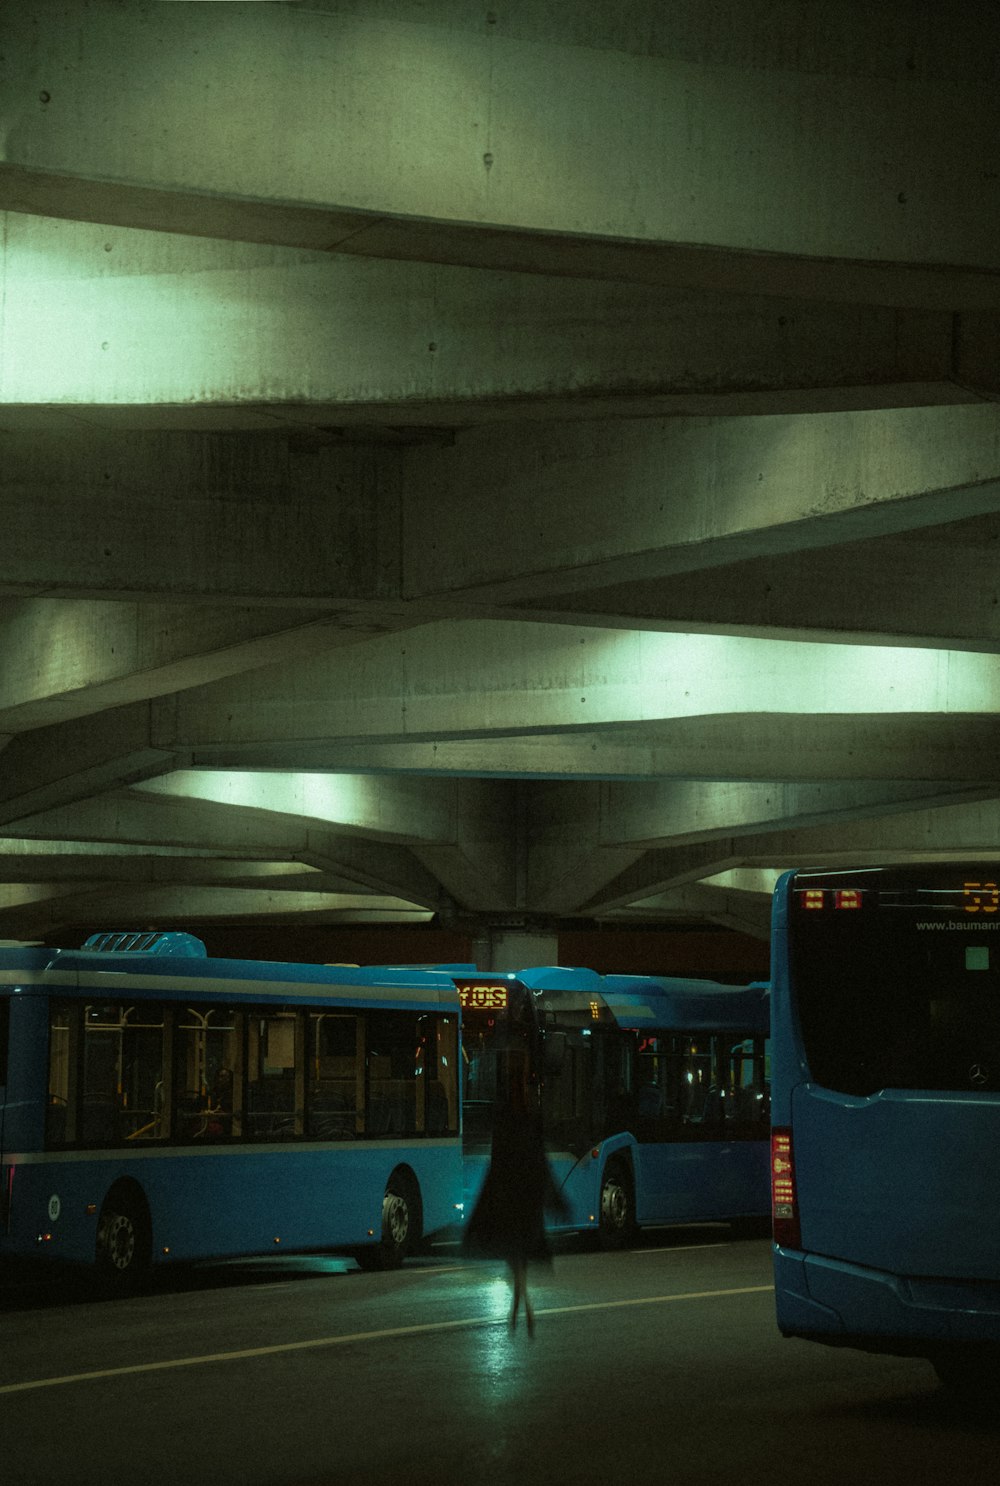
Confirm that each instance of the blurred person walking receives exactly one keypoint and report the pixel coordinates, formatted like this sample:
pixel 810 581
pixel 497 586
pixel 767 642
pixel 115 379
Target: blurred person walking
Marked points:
pixel 508 1221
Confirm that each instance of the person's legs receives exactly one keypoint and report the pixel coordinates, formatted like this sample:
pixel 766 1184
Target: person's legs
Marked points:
pixel 517 1282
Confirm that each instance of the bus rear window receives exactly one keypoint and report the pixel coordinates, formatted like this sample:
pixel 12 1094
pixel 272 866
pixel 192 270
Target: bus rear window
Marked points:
pixel 898 983
pixel 4 1036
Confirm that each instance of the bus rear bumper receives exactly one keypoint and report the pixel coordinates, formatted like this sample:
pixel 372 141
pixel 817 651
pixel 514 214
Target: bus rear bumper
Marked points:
pixel 847 1305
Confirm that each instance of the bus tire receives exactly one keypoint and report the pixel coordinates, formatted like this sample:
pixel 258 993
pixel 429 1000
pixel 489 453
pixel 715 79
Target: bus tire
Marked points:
pixel 616 1227
pixel 123 1248
pixel 400 1225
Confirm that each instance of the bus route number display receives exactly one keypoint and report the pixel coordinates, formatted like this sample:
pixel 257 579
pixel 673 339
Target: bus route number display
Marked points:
pixel 483 997
pixel 981 897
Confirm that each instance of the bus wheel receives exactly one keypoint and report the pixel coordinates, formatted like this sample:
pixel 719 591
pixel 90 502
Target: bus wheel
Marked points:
pixel 400 1225
pixel 617 1209
pixel 123 1244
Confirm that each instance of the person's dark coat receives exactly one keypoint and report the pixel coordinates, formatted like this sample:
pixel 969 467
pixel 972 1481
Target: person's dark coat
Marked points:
pixel 508 1221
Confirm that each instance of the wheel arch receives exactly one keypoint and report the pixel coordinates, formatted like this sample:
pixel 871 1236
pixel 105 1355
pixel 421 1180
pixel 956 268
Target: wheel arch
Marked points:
pixel 404 1173
pixel 617 1223
pixel 128 1190
pixel 124 1197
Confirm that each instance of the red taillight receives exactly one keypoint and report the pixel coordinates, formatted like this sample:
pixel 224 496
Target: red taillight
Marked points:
pixel 784 1202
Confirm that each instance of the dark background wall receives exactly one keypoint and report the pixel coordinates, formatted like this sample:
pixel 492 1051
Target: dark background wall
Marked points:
pixel 718 954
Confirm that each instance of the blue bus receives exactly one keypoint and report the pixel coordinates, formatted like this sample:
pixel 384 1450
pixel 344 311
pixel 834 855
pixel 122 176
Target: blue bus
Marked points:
pixel 158 1105
pixel 653 1093
pixel 886 1032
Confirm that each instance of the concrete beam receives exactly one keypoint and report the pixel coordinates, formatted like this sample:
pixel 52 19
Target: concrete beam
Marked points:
pixel 660 871
pixel 56 766
pixel 699 493
pixel 65 658
pixel 29 861
pixel 621 842
pixel 955 831
pixel 131 329
pixel 194 519
pixel 745 913
pixel 50 911
pixel 460 829
pixel 932 588
pixel 757 747
pixel 405 811
pixel 185 517
pixel 683 812
pixel 961 830
pixel 746 747
pixel 161 825
pixel 129 818
pixel 480 680
pixel 836 151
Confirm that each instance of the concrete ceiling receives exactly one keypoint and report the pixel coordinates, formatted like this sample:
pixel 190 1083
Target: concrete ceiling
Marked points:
pixel 516 466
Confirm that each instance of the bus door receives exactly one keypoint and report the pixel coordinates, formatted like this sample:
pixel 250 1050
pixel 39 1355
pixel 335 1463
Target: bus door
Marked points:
pixel 672 1084
pixel 701 1125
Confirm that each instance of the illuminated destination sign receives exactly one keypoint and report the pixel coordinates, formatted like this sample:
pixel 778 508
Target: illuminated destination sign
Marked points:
pixel 973 895
pixel 981 897
pixel 484 997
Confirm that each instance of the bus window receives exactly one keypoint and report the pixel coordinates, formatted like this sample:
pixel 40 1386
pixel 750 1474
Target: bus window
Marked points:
pixel 274 1106
pixel 60 1123
pixel 334 1089
pixel 207 1073
pixel 393 1043
pixel 436 1089
pixel 141 1072
pixel 122 1067
pixel 567 1099
pixel 442 1091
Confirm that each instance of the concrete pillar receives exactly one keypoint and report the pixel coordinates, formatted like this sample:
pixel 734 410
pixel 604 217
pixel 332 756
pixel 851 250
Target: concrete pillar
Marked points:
pixel 500 948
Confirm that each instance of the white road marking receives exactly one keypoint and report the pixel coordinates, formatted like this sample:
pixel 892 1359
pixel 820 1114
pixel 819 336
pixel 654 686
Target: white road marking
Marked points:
pixel 368 1336
pixel 682 1248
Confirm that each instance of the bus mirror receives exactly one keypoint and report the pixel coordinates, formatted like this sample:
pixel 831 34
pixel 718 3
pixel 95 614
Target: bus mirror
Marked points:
pixel 555 1052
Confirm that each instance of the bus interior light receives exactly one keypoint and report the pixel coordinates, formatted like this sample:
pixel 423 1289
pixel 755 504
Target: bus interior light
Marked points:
pixel 847 897
pixel 812 897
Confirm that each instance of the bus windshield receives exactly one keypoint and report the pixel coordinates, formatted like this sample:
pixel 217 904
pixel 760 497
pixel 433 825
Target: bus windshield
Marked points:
pixel 897 980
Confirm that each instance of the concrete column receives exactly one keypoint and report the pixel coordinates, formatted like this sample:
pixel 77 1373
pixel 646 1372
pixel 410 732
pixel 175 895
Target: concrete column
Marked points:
pixel 499 948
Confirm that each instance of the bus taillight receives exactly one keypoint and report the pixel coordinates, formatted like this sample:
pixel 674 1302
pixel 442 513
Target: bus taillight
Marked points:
pixel 784 1203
